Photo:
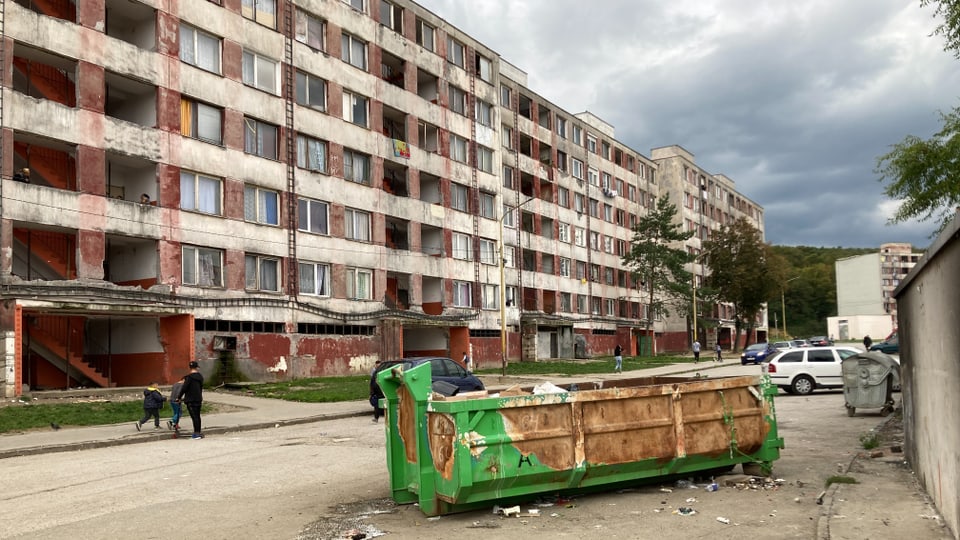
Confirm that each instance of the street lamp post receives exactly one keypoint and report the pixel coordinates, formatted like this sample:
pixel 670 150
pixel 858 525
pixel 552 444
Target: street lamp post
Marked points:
pixel 703 193
pixel 503 289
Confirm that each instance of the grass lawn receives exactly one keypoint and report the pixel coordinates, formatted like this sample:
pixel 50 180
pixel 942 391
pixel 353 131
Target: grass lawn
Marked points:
pixel 584 367
pixel 316 390
pixel 40 415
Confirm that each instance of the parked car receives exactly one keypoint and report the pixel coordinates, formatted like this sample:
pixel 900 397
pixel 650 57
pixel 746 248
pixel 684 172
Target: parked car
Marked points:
pixel 800 343
pixel 891 345
pixel 801 371
pixel 441 369
pixel 820 341
pixel 783 345
pixel 756 353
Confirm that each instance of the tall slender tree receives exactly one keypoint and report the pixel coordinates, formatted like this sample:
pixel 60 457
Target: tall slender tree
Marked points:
pixel 654 264
pixel 744 271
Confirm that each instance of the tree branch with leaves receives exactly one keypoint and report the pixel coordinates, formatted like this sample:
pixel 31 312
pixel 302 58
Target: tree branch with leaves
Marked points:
pixel 654 263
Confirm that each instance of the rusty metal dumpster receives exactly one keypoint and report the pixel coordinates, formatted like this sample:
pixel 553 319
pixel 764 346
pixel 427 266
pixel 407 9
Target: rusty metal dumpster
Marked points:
pixel 869 379
pixel 463 452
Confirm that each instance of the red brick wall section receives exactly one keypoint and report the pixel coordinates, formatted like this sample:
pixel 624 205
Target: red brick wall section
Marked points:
pixel 90 87
pixel 177 338
pixel 92 14
pixel 91 249
pixel 91 165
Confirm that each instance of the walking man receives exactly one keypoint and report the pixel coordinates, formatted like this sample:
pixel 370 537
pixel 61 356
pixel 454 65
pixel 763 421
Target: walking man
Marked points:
pixel 618 356
pixel 192 394
pixel 696 352
pixel 719 350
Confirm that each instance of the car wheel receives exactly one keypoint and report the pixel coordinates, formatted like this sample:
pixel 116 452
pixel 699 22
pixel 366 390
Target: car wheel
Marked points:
pixel 802 385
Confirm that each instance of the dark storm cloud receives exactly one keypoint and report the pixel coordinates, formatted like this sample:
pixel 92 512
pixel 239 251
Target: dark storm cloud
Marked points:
pixel 794 102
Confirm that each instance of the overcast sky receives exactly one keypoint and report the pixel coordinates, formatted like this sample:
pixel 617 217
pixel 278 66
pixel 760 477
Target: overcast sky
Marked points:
pixel 793 100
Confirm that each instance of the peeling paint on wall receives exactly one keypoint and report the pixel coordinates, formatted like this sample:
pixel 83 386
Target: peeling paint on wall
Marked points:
pixel 281 365
pixel 363 363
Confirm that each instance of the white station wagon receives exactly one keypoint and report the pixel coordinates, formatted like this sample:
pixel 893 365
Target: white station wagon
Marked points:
pixel 801 371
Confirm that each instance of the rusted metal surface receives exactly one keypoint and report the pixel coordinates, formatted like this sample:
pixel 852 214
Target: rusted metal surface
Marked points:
pixel 498 448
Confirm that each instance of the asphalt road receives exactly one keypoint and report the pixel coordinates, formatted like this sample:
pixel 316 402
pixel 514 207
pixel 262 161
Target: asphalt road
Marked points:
pixel 322 480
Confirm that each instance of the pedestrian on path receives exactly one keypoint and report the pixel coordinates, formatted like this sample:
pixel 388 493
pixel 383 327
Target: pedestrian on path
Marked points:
pixel 719 350
pixel 466 360
pixel 696 352
pixel 174 422
pixel 618 356
pixel 192 394
pixel 152 403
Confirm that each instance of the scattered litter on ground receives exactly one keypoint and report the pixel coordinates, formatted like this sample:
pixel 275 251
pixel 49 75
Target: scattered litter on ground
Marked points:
pixel 685 511
pixel 484 525
pixel 692 500
pixel 548 387
pixel 723 520
pixel 433 518
pixel 712 486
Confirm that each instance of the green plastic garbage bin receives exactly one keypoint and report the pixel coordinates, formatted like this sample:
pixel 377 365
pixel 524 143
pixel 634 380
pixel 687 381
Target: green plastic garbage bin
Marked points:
pixel 452 454
pixel 868 382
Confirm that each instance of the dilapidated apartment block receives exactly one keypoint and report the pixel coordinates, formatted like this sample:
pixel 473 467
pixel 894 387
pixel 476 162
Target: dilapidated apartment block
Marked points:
pixel 295 189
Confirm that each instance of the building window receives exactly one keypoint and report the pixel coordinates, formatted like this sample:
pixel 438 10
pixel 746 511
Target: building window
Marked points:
pixel 311 91
pixel 605 149
pixel 611 306
pixel 608 275
pixel 262 11
pixel 577 169
pixel 563 197
pixel 484 113
pixel 459 197
pixel 581 303
pixel 591 143
pixel 566 304
pixel 564 267
pixel 425 36
pixel 562 160
pixel 391 16
pixel 259 72
pixel 484 68
pixel 488 251
pixel 508 177
pixel 563 232
pixel 458 148
pixel 485 159
pixel 594 208
pixel 458 100
pixel 313 216
pixel 581 270
pixel 593 176
pixel 462 246
pixel 462 294
pixel 202 267
pixel 356 225
pixel 506 96
pixel 353 51
pixel 509 258
pixel 261 205
pixel 359 5
pixel 507 137
pixel 595 273
pixel 259 138
pixel 315 279
pixel 595 306
pixel 580 236
pixel 455 51
pixel 311 154
pixel 263 273
pixel 310 30
pixel 608 213
pixel 356 167
pixel 359 284
pixel 488 205
pixel 491 297
pixel 562 127
pixel 595 240
pixel 199 48
pixel 201 121
pixel 509 216
pixel 355 108
pixel 429 136
pixel 199 193
pixel 578 200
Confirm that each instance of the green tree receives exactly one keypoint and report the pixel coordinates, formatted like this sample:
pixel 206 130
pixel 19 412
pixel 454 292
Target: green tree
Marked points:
pixel 658 267
pixel 950 27
pixel 744 271
pixel 924 173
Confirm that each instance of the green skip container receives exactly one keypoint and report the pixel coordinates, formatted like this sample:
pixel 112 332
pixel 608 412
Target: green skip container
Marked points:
pixel 458 453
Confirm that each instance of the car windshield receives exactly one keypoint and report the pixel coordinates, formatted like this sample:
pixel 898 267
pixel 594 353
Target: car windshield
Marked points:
pixel 757 347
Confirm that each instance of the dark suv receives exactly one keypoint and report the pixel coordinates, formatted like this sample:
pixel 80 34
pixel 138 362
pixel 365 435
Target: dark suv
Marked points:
pixel 821 341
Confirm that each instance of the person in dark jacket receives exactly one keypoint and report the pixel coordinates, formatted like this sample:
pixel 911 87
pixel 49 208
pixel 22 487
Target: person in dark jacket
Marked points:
pixel 618 357
pixel 192 395
pixel 867 342
pixel 376 394
pixel 152 402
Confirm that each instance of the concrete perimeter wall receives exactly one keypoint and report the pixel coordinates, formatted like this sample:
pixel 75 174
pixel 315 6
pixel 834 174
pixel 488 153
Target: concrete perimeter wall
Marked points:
pixel 928 302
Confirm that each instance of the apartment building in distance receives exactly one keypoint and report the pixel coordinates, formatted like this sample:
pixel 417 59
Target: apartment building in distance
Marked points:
pixel 865 285
pixel 296 189
pixel 705 202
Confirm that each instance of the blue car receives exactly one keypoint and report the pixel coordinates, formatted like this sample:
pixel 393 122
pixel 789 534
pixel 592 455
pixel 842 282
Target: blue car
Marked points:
pixel 757 353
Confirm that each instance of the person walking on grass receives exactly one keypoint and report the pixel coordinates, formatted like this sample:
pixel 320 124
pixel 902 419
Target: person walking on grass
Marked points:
pixel 719 351
pixel 192 395
pixel 174 422
pixel 696 352
pixel 152 403
pixel 618 357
